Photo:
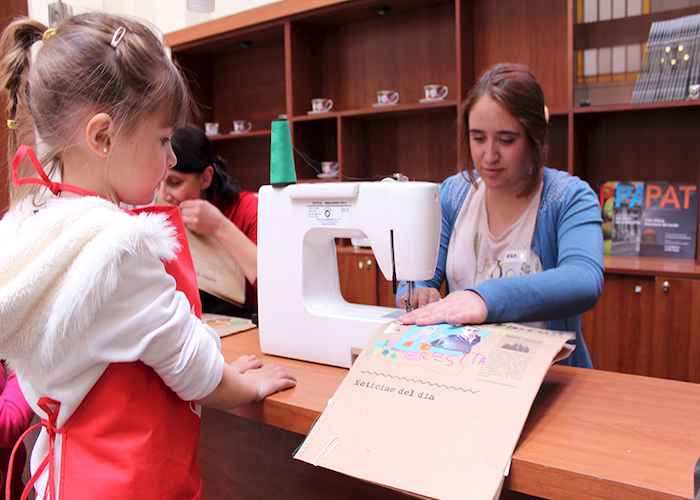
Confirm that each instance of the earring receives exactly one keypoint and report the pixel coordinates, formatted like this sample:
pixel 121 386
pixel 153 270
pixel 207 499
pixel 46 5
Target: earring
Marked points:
pixel 105 149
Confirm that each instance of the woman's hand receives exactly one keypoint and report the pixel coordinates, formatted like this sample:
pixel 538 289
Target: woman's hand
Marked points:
pixel 461 307
pixel 422 296
pixel 201 217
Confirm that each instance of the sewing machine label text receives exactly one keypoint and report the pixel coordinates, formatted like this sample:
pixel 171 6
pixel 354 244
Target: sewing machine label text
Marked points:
pixel 328 214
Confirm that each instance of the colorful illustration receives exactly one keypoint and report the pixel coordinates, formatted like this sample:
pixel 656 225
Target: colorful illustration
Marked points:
pixel 443 348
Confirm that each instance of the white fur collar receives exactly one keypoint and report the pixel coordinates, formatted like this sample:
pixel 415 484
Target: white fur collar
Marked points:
pixel 58 266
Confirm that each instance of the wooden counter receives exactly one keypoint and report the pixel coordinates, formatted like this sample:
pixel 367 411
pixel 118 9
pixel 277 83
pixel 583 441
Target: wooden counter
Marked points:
pixel 590 434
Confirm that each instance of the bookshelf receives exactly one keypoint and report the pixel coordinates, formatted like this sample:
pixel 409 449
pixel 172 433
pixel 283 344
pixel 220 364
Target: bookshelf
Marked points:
pixel 273 60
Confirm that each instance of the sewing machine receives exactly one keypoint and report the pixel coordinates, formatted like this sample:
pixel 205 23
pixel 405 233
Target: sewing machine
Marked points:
pixel 302 313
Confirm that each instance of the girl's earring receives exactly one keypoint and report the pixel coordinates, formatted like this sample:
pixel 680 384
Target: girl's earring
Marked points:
pixel 105 149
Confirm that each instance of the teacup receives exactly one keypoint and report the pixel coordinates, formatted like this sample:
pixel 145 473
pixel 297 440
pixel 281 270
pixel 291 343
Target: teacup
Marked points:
pixel 435 92
pixel 329 167
pixel 387 97
pixel 321 105
pixel 211 128
pixel 241 126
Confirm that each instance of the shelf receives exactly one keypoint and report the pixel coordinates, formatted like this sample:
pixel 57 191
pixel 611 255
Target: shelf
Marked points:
pixel 651 266
pixel 271 61
pixel 624 31
pixel 647 106
pixel 349 55
pixel 398 109
pixel 240 136
pixel 608 55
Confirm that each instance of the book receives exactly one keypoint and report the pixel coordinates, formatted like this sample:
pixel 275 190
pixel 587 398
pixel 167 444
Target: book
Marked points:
pixel 435 410
pixel 669 220
pixel 670 61
pixel 649 218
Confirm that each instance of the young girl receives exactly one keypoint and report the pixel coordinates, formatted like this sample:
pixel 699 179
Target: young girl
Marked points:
pixel 104 340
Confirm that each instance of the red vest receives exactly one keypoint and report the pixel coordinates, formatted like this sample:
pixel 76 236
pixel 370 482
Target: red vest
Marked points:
pixel 132 436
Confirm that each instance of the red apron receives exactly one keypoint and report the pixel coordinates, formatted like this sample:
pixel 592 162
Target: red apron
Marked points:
pixel 132 436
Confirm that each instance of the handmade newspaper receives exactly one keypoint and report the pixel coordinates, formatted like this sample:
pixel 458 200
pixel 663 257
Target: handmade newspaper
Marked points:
pixel 217 272
pixel 437 410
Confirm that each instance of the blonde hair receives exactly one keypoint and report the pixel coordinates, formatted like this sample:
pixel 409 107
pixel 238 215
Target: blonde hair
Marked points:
pixel 54 84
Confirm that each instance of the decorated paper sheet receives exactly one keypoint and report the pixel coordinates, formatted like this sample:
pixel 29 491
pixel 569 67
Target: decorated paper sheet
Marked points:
pixel 435 411
pixel 227 325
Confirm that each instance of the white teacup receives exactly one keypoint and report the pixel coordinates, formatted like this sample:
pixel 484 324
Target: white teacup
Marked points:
pixel 387 97
pixel 211 128
pixel 241 126
pixel 321 105
pixel 435 92
pixel 329 167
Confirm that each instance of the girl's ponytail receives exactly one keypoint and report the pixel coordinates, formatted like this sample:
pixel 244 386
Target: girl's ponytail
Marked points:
pixel 16 48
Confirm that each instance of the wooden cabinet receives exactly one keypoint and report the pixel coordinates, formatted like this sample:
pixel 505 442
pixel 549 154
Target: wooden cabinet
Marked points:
pixel 361 280
pixel 618 331
pixel 264 63
pixel 675 345
pixel 647 325
pixel 273 60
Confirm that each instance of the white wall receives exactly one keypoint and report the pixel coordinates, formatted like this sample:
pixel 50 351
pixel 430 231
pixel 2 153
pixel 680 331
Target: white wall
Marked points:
pixel 166 15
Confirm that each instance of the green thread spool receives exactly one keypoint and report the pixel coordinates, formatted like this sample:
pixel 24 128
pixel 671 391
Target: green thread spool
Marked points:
pixel 282 172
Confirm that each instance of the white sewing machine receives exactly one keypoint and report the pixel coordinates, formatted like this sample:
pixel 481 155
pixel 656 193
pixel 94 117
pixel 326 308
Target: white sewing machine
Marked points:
pixel 302 313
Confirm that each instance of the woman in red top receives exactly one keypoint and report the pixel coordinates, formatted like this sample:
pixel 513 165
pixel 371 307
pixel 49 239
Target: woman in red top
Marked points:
pixel 214 204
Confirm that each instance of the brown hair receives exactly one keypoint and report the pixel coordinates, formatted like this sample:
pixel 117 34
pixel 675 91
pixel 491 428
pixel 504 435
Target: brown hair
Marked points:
pixel 79 71
pixel 515 88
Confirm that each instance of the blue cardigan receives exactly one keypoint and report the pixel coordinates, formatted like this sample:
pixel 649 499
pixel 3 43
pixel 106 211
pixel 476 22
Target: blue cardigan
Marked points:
pixel 569 242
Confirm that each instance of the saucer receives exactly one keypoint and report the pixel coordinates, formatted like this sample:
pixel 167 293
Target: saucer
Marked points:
pixel 383 105
pixel 317 112
pixel 327 176
pixel 233 132
pixel 423 101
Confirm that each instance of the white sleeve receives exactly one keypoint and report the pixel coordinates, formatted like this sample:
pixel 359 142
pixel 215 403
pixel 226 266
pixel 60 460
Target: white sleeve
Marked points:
pixel 147 319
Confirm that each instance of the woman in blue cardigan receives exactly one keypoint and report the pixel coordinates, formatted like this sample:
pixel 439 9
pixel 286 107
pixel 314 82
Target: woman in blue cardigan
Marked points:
pixel 520 242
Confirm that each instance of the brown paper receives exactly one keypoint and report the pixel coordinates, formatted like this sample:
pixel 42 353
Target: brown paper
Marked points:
pixel 217 272
pixel 435 411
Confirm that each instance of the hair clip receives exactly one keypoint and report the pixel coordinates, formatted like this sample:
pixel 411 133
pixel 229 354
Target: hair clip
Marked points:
pixel 12 124
pixel 117 37
pixel 48 34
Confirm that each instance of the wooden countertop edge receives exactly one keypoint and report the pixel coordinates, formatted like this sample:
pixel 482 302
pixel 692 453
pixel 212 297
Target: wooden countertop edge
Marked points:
pixel 297 409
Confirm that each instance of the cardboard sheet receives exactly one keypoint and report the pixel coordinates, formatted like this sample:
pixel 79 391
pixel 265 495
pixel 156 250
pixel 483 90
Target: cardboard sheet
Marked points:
pixel 435 411
pixel 227 325
pixel 217 272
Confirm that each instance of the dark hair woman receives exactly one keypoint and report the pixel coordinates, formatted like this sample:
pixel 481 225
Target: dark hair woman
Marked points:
pixel 213 204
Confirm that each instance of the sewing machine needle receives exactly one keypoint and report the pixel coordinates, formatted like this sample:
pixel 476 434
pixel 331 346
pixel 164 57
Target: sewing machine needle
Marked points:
pixel 409 292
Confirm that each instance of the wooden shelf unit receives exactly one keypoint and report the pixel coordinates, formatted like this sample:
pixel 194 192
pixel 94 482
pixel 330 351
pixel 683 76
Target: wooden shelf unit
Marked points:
pixel 271 61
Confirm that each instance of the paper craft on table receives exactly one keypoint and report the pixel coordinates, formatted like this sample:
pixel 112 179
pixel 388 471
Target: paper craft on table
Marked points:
pixel 227 325
pixel 437 410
